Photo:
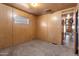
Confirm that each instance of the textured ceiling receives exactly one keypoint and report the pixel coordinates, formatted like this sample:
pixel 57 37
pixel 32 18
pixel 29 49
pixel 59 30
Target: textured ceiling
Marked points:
pixel 42 8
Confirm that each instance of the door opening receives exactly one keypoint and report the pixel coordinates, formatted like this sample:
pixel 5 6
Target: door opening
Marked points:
pixel 70 31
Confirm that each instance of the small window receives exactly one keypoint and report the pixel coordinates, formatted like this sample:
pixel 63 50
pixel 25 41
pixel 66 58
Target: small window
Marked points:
pixel 21 20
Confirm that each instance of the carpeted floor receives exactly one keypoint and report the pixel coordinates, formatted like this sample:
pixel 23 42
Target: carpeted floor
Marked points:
pixel 37 48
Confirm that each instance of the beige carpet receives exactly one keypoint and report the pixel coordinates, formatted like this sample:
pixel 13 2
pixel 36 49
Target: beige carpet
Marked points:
pixel 38 48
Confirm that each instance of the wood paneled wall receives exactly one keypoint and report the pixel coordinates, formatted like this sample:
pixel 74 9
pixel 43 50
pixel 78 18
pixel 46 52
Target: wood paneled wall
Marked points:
pixel 55 28
pixel 49 28
pixel 42 27
pixel 12 33
pixel 5 26
pixel 23 32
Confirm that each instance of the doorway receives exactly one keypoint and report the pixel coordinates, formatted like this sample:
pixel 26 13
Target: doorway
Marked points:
pixel 68 30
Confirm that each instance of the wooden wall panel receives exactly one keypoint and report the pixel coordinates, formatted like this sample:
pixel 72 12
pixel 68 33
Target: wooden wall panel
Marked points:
pixel 42 27
pixel 49 28
pixel 23 32
pixel 55 28
pixel 5 26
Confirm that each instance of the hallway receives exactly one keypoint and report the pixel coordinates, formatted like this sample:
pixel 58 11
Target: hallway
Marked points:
pixel 38 48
